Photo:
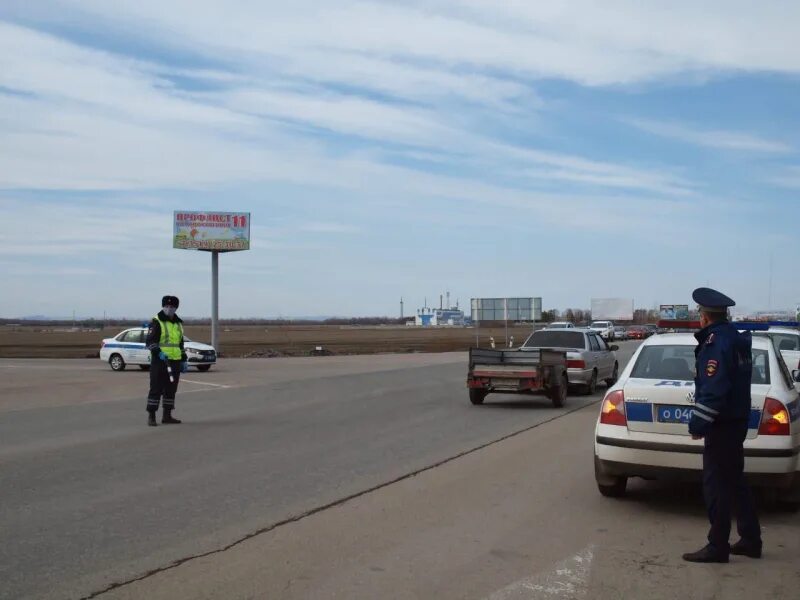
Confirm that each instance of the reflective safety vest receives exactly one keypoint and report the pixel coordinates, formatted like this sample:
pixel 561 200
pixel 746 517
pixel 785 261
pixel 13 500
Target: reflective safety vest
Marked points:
pixel 171 336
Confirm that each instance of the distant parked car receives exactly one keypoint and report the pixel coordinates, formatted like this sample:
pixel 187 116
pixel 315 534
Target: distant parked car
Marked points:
pixel 561 325
pixel 620 333
pixel 589 358
pixel 128 348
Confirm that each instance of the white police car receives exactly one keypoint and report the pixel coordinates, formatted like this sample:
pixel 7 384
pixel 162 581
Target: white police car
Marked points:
pixel 642 429
pixel 128 348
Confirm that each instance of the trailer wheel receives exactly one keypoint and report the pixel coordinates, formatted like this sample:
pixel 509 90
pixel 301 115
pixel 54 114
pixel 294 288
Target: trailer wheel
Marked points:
pixel 558 394
pixel 477 396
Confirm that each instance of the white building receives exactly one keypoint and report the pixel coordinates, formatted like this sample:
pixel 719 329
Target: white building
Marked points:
pixel 437 317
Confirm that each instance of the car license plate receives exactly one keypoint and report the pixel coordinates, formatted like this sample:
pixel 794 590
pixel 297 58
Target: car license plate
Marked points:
pixel 674 414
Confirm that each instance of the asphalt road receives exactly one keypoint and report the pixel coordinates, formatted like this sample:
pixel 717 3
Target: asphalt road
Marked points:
pixel 259 493
pixel 91 497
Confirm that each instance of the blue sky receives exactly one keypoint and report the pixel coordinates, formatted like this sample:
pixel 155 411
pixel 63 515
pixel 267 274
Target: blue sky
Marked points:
pixel 386 149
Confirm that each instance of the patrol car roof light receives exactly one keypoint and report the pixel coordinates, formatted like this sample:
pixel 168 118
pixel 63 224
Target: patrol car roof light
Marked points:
pixel 775 419
pixel 740 325
pixel 613 411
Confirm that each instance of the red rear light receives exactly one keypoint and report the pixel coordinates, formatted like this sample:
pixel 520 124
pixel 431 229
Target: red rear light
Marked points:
pixel 613 411
pixel 576 364
pixel 775 419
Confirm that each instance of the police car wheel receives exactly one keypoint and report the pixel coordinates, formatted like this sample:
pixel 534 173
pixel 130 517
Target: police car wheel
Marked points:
pixel 477 396
pixel 615 490
pixel 116 362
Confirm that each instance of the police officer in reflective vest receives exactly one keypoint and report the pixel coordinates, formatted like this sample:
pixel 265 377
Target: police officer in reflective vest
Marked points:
pixel 720 417
pixel 167 360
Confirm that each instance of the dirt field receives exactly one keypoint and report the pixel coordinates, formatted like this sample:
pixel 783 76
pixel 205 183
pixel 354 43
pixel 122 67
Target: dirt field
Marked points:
pixel 259 341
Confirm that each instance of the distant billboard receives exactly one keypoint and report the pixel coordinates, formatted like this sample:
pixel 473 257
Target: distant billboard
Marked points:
pixel 613 309
pixel 674 312
pixel 506 309
pixel 219 231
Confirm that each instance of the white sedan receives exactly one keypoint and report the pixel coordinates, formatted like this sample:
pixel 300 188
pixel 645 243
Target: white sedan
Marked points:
pixel 642 428
pixel 128 348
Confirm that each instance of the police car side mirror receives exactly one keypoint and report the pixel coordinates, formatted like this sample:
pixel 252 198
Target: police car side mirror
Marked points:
pixel 796 375
pixel 613 347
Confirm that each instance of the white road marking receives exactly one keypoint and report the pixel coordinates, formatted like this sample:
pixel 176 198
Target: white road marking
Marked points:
pixel 568 580
pixel 219 385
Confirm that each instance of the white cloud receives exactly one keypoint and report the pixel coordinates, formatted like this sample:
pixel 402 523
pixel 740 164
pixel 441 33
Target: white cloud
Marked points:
pixel 723 140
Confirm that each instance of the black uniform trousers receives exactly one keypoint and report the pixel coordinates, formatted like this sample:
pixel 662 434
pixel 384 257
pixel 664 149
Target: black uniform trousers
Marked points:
pixel 724 486
pixel 160 385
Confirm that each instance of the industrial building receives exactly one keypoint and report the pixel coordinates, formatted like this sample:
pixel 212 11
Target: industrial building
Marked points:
pixel 440 317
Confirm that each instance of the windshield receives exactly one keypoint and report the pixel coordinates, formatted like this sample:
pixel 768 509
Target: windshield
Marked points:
pixel 559 326
pixel 676 363
pixel 600 324
pixel 555 339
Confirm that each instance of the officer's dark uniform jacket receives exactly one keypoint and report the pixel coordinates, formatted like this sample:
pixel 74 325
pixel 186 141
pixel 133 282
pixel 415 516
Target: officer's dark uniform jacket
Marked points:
pixel 722 382
pixel 153 338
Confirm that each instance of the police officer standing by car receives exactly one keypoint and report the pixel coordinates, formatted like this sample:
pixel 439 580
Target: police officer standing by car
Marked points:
pixel 167 360
pixel 720 417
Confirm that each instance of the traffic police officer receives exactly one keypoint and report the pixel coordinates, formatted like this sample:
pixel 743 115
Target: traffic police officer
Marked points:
pixel 167 360
pixel 720 417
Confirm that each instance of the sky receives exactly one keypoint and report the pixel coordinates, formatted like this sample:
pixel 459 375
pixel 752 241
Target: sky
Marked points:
pixel 569 150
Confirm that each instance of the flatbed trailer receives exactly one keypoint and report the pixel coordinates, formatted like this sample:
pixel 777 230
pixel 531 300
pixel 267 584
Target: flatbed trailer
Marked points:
pixel 532 371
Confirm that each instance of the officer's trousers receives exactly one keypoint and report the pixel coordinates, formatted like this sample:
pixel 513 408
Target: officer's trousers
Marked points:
pixel 160 385
pixel 724 486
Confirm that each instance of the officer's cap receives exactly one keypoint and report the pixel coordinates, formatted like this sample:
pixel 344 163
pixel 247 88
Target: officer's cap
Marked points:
pixel 170 301
pixel 709 300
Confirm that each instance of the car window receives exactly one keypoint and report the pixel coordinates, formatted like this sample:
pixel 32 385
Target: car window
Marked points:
pixel 786 341
pixel 555 339
pixel 676 363
pixel 760 367
pixel 134 335
pixel 593 343
pixel 602 343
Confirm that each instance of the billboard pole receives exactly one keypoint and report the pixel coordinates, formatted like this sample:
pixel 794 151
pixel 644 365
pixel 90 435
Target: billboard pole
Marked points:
pixel 215 300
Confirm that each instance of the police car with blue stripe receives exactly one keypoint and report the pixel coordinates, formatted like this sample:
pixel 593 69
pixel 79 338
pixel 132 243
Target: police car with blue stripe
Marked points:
pixel 128 348
pixel 642 428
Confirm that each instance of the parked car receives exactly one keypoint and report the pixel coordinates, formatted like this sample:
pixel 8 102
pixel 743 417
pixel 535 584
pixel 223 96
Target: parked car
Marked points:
pixel 128 348
pixel 561 325
pixel 642 429
pixel 605 329
pixel 589 358
pixel 620 333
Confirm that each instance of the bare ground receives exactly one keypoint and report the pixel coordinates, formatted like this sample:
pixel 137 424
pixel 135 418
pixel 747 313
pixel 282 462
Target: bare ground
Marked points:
pixel 260 341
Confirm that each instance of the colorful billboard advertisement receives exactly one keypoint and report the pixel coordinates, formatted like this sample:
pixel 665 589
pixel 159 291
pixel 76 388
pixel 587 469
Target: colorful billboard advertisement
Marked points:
pixel 674 312
pixel 219 231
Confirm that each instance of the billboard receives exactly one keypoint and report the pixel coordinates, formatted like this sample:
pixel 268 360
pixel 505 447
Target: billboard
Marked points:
pixel 612 309
pixel 506 309
pixel 673 312
pixel 220 231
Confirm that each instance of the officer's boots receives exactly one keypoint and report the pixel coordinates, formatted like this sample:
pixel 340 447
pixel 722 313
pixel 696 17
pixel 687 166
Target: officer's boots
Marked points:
pixel 151 418
pixel 168 419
